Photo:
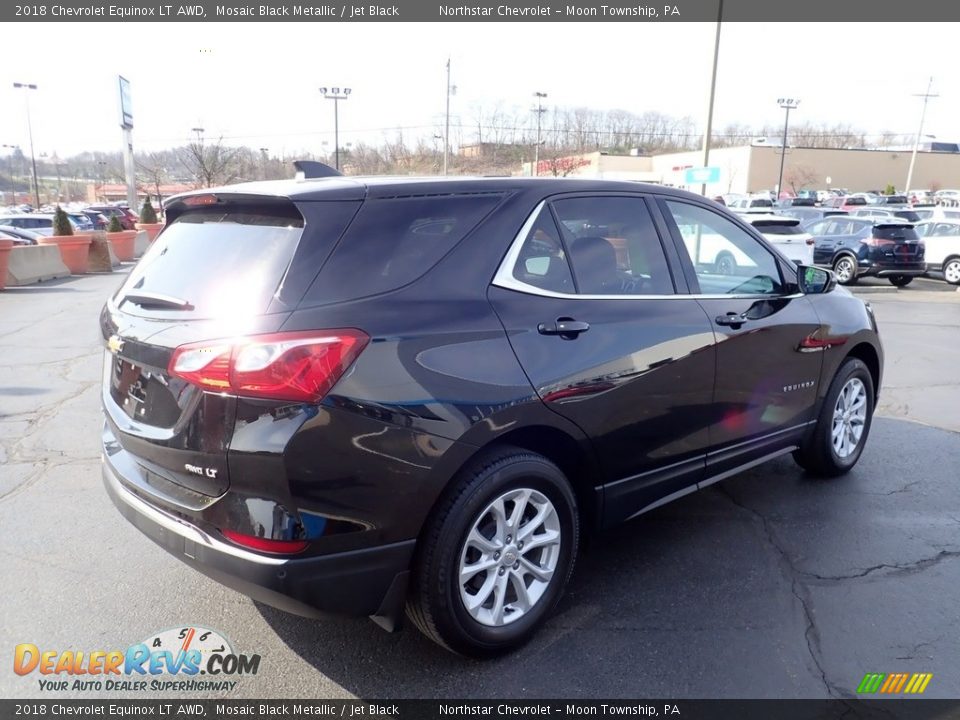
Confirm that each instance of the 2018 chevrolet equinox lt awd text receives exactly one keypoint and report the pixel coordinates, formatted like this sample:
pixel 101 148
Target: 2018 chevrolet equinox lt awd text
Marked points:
pixel 374 395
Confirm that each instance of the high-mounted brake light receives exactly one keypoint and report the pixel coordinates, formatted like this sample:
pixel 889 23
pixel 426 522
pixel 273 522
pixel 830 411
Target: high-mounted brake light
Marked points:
pixel 296 366
pixel 279 547
pixel 201 200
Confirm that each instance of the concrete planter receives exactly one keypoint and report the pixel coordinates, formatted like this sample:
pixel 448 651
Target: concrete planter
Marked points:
pixel 5 247
pixel 74 250
pixel 152 229
pixel 122 243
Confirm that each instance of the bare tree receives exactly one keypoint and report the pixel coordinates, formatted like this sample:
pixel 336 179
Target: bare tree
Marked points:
pixel 211 163
pixel 152 173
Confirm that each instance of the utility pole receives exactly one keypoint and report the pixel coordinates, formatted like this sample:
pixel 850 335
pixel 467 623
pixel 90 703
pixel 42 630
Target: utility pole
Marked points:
pixel 539 110
pixel 446 131
pixel 336 94
pixel 787 104
pixel 916 145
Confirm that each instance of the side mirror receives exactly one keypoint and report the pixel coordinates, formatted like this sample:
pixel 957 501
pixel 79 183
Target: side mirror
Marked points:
pixel 815 280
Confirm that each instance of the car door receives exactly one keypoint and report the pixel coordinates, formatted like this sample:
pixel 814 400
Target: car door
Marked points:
pixel 602 324
pixel 768 338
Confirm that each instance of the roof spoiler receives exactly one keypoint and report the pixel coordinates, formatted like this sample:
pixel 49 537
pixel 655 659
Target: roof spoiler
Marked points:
pixel 309 169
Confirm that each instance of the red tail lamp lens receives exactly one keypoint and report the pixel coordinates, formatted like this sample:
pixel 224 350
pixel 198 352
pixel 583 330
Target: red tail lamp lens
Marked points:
pixel 298 366
pixel 277 547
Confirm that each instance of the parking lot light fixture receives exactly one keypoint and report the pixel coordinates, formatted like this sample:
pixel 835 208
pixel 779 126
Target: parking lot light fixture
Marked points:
pixel 27 87
pixel 787 104
pixel 336 94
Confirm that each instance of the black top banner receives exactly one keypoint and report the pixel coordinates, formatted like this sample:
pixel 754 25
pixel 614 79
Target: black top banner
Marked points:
pixel 306 709
pixel 854 11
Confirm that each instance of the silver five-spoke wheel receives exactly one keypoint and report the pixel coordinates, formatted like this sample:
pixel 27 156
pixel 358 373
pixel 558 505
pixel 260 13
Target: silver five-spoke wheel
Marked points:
pixel 509 557
pixel 845 269
pixel 849 417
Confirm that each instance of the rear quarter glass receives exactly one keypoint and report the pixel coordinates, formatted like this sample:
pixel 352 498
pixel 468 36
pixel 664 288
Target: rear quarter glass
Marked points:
pixel 394 241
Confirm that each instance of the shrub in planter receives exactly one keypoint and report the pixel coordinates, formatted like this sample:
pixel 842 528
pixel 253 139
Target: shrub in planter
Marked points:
pixel 148 220
pixel 122 241
pixel 74 247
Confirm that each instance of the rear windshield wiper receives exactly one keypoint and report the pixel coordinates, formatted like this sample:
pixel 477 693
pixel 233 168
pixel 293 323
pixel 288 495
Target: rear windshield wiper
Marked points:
pixel 149 299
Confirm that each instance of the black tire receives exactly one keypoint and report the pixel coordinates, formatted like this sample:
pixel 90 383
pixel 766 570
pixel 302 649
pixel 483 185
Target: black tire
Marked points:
pixel 816 454
pixel 434 603
pixel 725 264
pixel 951 271
pixel 845 277
pixel 900 280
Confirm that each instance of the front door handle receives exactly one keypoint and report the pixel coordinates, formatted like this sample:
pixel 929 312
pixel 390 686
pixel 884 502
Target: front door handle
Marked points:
pixel 566 328
pixel 734 320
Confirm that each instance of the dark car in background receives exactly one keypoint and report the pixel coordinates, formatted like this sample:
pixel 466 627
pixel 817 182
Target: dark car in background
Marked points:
pixel 855 247
pixel 127 218
pixel 365 395
pixel 99 220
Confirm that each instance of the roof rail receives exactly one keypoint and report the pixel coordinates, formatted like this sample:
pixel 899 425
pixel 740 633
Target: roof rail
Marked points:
pixel 309 169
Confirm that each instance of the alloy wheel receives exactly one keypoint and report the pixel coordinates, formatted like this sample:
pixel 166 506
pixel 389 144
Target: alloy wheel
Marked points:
pixel 951 272
pixel 849 418
pixel 509 557
pixel 844 269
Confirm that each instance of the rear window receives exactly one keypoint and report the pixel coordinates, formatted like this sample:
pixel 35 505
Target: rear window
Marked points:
pixel 895 200
pixel 221 262
pixel 908 215
pixel 895 232
pixel 855 201
pixel 779 228
pixel 761 203
pixel 394 241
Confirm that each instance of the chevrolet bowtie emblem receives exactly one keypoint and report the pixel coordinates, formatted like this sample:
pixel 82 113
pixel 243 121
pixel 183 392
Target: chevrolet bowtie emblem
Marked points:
pixel 115 344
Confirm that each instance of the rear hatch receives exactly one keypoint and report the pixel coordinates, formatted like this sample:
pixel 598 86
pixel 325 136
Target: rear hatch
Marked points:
pixel 895 244
pixel 223 268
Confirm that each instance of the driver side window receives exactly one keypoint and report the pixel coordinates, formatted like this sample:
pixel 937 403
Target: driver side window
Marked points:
pixel 727 259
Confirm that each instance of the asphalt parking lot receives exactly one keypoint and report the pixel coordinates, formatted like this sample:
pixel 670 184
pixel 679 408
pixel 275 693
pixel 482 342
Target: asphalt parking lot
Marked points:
pixel 769 584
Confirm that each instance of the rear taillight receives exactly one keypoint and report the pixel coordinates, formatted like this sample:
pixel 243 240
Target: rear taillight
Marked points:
pixel 810 241
pixel 296 366
pixel 279 547
pixel 876 242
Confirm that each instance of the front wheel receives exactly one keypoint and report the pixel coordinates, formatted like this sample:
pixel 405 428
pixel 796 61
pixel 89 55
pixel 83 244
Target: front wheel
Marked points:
pixel 845 268
pixel 496 554
pixel 900 280
pixel 951 271
pixel 836 442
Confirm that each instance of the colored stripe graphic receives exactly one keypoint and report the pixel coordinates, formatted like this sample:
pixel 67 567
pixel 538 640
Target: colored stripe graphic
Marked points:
pixel 895 683
pixel 870 683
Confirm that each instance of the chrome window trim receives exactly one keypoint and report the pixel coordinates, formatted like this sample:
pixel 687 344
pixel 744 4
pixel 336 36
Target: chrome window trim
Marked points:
pixel 504 277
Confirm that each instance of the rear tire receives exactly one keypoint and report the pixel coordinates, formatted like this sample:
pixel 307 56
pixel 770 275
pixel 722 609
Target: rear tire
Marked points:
pixel 836 442
pixel 900 280
pixel 845 268
pixel 951 271
pixel 725 264
pixel 476 590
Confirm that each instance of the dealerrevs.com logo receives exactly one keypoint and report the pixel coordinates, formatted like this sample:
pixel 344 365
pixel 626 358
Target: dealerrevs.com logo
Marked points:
pixel 180 659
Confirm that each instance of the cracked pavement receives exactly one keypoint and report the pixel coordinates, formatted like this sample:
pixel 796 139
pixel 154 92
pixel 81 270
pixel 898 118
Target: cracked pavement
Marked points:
pixel 769 584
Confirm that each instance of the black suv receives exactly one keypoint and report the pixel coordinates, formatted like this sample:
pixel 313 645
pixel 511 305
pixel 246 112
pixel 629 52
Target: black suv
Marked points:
pixel 858 247
pixel 365 395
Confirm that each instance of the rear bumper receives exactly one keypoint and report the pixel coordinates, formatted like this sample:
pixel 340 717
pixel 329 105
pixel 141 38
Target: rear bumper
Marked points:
pixel 883 271
pixel 370 581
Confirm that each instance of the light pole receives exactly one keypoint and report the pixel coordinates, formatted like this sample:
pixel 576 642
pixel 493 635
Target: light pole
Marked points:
pixel 336 94
pixel 787 104
pixel 539 110
pixel 26 87
pixel 713 87
pixel 199 132
pixel 916 145
pixel 13 183
pixel 263 156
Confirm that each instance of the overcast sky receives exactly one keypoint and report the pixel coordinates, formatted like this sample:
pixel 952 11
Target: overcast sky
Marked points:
pixel 256 84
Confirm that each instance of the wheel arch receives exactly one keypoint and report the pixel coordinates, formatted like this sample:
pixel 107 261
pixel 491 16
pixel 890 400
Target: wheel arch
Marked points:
pixel 564 450
pixel 868 354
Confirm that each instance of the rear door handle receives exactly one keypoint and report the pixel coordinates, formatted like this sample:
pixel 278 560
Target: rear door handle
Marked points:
pixel 567 328
pixel 733 320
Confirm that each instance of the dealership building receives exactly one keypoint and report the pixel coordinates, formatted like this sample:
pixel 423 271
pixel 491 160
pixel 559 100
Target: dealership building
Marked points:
pixel 755 168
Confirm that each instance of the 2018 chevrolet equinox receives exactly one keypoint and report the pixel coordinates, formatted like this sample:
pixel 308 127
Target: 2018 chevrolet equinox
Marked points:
pixel 370 395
